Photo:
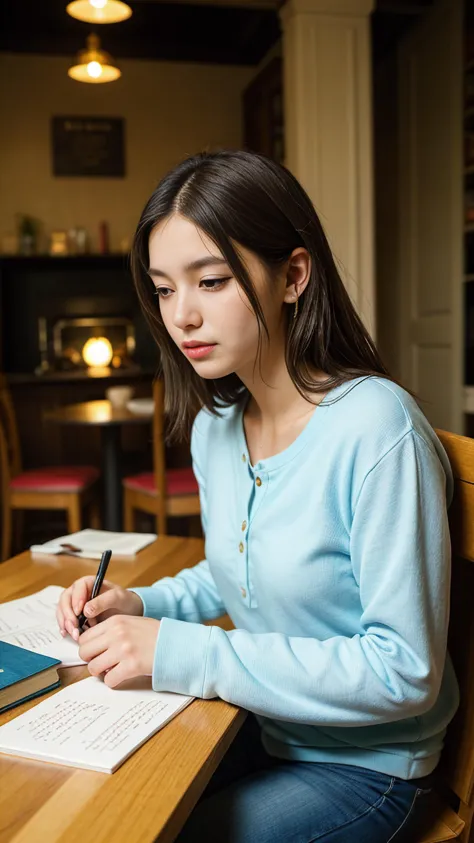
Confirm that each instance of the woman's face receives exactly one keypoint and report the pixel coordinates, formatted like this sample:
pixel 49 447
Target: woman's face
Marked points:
pixel 202 304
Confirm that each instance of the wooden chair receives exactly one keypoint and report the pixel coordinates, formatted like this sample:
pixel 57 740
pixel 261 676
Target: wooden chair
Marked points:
pixel 70 488
pixel 449 810
pixel 162 493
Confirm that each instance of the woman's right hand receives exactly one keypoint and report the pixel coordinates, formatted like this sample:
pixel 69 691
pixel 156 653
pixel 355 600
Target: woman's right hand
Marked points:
pixel 112 600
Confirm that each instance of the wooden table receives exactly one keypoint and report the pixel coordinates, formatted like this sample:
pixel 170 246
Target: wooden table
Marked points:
pixel 102 414
pixel 152 794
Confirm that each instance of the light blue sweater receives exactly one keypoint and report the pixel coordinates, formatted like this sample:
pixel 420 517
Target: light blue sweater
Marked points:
pixel 332 559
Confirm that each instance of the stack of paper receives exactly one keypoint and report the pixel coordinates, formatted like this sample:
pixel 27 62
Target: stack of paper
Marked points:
pixel 30 622
pixel 91 544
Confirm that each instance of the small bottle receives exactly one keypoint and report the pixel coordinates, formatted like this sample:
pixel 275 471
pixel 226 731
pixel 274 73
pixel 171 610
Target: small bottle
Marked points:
pixel 103 238
pixel 81 241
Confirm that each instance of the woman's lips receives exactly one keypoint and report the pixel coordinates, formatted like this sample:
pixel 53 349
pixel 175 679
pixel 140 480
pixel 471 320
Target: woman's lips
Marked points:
pixel 198 351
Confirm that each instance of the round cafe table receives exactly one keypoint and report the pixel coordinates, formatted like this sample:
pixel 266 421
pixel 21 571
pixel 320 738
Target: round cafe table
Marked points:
pixel 102 414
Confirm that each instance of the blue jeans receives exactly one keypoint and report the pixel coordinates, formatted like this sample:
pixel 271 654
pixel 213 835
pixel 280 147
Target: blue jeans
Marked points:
pixel 255 798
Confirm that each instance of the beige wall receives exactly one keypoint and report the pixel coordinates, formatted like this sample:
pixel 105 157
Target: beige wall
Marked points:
pixel 171 110
pixel 387 212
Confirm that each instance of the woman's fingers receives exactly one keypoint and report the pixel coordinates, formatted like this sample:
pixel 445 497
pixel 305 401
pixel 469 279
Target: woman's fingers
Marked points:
pixel 102 664
pixel 66 618
pixel 75 598
pixel 104 602
pixel 118 674
pixel 71 597
pixel 81 590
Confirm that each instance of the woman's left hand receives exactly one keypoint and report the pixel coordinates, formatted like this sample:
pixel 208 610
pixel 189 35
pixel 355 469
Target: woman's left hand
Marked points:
pixel 120 647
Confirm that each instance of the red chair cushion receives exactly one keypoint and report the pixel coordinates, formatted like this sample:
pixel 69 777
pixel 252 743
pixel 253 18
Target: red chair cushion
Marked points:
pixel 179 481
pixel 59 478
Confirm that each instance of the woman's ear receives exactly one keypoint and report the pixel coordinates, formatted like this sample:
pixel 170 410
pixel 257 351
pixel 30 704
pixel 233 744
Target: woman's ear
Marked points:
pixel 297 274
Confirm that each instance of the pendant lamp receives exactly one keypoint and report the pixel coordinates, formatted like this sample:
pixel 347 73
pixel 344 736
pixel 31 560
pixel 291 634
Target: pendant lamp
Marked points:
pixel 93 64
pixel 99 11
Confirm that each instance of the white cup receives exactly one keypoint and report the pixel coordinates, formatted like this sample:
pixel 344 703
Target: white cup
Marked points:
pixel 119 395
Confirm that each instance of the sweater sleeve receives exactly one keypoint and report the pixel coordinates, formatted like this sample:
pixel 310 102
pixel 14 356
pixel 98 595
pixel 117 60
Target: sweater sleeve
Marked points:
pixel 191 595
pixel 392 667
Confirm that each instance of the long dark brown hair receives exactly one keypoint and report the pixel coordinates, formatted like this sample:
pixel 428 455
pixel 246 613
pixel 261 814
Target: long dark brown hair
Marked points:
pixel 249 200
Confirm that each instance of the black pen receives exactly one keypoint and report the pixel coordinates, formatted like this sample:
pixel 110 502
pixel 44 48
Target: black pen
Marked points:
pixel 99 579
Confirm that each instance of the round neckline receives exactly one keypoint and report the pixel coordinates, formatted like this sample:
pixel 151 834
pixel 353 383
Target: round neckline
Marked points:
pixel 288 453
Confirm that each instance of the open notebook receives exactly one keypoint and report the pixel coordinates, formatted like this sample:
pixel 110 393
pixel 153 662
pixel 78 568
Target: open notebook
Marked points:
pixel 91 544
pixel 90 725
pixel 30 622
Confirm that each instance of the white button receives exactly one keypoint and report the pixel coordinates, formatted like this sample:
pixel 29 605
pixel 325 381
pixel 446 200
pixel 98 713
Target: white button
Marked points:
pixel 244 593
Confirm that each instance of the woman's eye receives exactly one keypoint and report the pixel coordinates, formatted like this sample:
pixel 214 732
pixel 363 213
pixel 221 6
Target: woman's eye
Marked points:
pixel 214 283
pixel 210 284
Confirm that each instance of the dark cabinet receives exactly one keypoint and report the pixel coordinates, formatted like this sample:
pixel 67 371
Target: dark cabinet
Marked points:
pixel 263 112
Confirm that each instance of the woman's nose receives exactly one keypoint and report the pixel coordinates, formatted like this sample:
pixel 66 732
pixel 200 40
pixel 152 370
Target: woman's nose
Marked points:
pixel 186 314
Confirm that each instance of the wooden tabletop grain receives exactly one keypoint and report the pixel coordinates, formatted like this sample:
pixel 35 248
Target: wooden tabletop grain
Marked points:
pixel 152 794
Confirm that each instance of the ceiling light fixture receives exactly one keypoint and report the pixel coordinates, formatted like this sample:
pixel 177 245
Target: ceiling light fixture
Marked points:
pixel 93 64
pixel 99 11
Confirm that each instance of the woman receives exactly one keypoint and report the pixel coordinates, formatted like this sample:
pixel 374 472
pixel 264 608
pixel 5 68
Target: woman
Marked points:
pixel 324 496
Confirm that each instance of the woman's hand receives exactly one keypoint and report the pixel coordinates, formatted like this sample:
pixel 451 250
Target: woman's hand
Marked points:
pixel 112 600
pixel 120 647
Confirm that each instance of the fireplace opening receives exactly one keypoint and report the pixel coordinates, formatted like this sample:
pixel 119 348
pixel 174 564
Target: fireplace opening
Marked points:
pixel 96 344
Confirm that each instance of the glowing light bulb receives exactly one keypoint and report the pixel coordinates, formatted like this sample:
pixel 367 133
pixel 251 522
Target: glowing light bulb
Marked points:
pixel 94 69
pixel 98 4
pixel 97 351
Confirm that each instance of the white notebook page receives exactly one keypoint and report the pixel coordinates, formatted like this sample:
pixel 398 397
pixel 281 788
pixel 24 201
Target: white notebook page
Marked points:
pixel 90 725
pixel 92 543
pixel 30 622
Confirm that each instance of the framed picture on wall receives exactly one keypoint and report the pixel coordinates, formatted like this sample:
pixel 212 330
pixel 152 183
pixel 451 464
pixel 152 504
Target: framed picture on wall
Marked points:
pixel 88 146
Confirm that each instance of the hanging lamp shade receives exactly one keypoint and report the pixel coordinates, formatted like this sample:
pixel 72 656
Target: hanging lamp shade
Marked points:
pixel 99 11
pixel 93 64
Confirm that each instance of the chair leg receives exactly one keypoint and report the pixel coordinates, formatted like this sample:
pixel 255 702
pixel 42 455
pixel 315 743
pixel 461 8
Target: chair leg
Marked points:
pixel 6 532
pixel 94 515
pixel 128 514
pixel 74 514
pixel 161 524
pixel 18 529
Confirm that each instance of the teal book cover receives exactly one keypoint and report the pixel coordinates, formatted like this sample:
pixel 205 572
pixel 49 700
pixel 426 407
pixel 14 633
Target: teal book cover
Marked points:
pixel 18 665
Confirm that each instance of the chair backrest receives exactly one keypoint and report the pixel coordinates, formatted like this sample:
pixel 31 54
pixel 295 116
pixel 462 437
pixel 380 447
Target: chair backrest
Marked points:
pixel 457 762
pixel 10 430
pixel 159 462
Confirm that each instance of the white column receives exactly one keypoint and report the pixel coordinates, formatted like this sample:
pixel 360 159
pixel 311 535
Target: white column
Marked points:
pixel 328 129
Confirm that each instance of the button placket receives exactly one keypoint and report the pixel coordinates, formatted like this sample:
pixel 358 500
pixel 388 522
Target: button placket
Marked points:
pixel 243 571
pixel 259 480
pixel 246 491
pixel 253 482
